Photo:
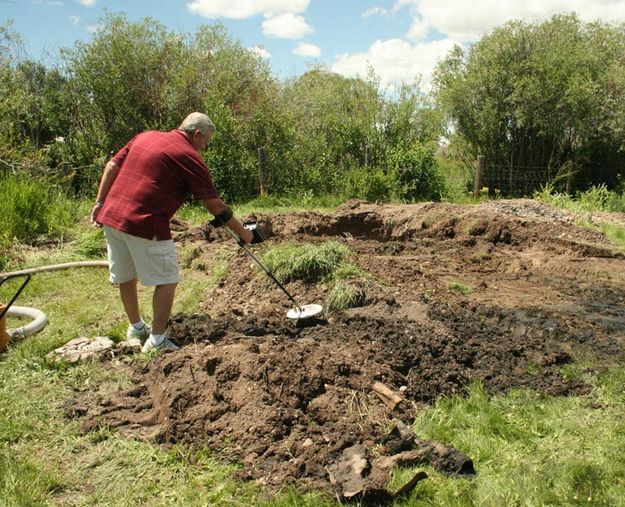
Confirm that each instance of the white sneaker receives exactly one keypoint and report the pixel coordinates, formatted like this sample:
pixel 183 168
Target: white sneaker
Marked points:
pixel 139 334
pixel 166 344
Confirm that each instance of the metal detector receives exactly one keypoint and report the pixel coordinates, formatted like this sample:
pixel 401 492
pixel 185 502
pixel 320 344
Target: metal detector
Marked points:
pixel 300 311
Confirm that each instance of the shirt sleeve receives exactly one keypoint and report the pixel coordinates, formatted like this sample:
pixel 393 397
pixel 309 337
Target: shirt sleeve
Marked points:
pixel 120 156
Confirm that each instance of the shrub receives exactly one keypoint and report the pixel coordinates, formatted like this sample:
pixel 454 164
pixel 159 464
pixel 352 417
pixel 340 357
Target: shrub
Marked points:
pixel 414 173
pixel 369 184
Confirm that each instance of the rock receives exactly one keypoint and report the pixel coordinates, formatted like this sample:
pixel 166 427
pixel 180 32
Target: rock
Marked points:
pixel 83 349
pixel 129 346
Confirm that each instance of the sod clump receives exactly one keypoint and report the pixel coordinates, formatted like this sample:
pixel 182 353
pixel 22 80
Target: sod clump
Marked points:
pixel 330 261
pixel 308 263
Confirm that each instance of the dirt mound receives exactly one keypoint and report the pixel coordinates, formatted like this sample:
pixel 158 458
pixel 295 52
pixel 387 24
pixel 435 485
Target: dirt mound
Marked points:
pixel 504 293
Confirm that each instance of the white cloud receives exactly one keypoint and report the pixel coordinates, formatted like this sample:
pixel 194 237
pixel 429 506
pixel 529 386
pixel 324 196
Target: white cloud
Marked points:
pixel 286 26
pixel 93 28
pixel 419 29
pixel 304 49
pixel 375 11
pixel 74 20
pixel 456 22
pixel 467 21
pixel 395 61
pixel 260 51
pixel 87 3
pixel 241 9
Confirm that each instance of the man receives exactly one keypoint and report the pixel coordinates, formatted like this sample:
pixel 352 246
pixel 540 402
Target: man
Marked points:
pixel 141 188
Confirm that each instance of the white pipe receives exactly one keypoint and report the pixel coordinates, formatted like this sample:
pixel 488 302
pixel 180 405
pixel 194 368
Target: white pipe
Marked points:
pixel 39 318
pixel 39 321
pixel 53 267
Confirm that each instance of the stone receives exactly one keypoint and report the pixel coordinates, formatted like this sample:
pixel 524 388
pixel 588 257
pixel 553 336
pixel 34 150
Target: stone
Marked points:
pixel 83 349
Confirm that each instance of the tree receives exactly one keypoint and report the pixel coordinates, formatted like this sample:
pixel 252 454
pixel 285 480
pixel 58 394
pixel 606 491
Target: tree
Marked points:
pixel 333 119
pixel 539 96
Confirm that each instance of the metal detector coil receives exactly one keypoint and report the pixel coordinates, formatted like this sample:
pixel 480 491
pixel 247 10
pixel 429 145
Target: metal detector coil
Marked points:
pixel 304 312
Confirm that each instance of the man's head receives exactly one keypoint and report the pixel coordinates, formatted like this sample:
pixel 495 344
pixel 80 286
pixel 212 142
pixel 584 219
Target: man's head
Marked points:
pixel 199 129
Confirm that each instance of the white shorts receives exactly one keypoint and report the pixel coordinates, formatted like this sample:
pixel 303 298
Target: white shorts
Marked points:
pixel 153 262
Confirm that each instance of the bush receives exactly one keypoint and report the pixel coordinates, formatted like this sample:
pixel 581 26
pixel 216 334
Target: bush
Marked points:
pixel 414 173
pixel 369 184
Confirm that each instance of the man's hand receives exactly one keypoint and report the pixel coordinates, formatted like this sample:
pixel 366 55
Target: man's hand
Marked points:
pixel 94 214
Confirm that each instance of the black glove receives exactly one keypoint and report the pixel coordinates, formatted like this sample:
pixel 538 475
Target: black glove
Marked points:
pixel 216 222
pixel 257 236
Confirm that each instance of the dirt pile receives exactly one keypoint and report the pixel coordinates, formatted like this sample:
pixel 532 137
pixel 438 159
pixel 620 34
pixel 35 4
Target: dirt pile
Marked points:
pixel 503 293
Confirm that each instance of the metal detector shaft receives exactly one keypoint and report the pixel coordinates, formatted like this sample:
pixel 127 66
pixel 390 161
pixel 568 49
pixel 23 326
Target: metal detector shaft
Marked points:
pixel 242 244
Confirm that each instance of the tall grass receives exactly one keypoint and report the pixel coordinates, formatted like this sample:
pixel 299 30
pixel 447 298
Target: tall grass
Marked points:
pixel 596 198
pixel 30 208
pixel 307 262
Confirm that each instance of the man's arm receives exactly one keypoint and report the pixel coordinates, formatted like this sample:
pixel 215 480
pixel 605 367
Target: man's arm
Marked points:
pixel 108 177
pixel 216 207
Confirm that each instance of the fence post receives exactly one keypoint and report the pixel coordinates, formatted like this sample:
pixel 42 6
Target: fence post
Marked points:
pixel 569 179
pixel 366 155
pixel 479 168
pixel 262 173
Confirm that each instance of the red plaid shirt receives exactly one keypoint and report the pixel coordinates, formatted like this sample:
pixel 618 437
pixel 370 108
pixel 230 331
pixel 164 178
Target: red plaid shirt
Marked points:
pixel 157 172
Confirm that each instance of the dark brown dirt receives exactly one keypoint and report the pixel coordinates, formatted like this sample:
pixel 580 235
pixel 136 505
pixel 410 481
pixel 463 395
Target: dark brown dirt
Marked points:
pixel 504 293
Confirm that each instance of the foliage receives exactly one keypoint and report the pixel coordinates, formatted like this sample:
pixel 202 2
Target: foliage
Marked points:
pixel 414 173
pixel 540 95
pixel 136 76
pixel 332 119
pixel 364 183
pixel 31 207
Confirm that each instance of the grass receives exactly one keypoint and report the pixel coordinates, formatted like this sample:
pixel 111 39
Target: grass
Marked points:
pixel 197 214
pixel 329 261
pixel 529 449
pixel 29 209
pixel 345 294
pixel 306 262
pixel 596 199
pixel 460 288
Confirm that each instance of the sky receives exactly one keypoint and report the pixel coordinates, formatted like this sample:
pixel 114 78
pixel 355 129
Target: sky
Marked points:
pixel 401 40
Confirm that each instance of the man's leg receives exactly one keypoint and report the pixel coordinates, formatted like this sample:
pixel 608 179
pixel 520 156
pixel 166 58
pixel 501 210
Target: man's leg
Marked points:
pixel 130 300
pixel 162 302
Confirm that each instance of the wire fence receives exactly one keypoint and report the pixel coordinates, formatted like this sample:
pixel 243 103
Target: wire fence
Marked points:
pixel 514 180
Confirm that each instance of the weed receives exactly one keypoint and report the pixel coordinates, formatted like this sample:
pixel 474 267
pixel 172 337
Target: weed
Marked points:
pixel 460 288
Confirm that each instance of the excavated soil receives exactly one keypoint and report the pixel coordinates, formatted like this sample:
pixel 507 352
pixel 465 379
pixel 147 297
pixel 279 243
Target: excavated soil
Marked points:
pixel 505 293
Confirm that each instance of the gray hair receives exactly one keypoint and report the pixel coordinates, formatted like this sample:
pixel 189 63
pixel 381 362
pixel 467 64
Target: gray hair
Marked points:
pixel 197 121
